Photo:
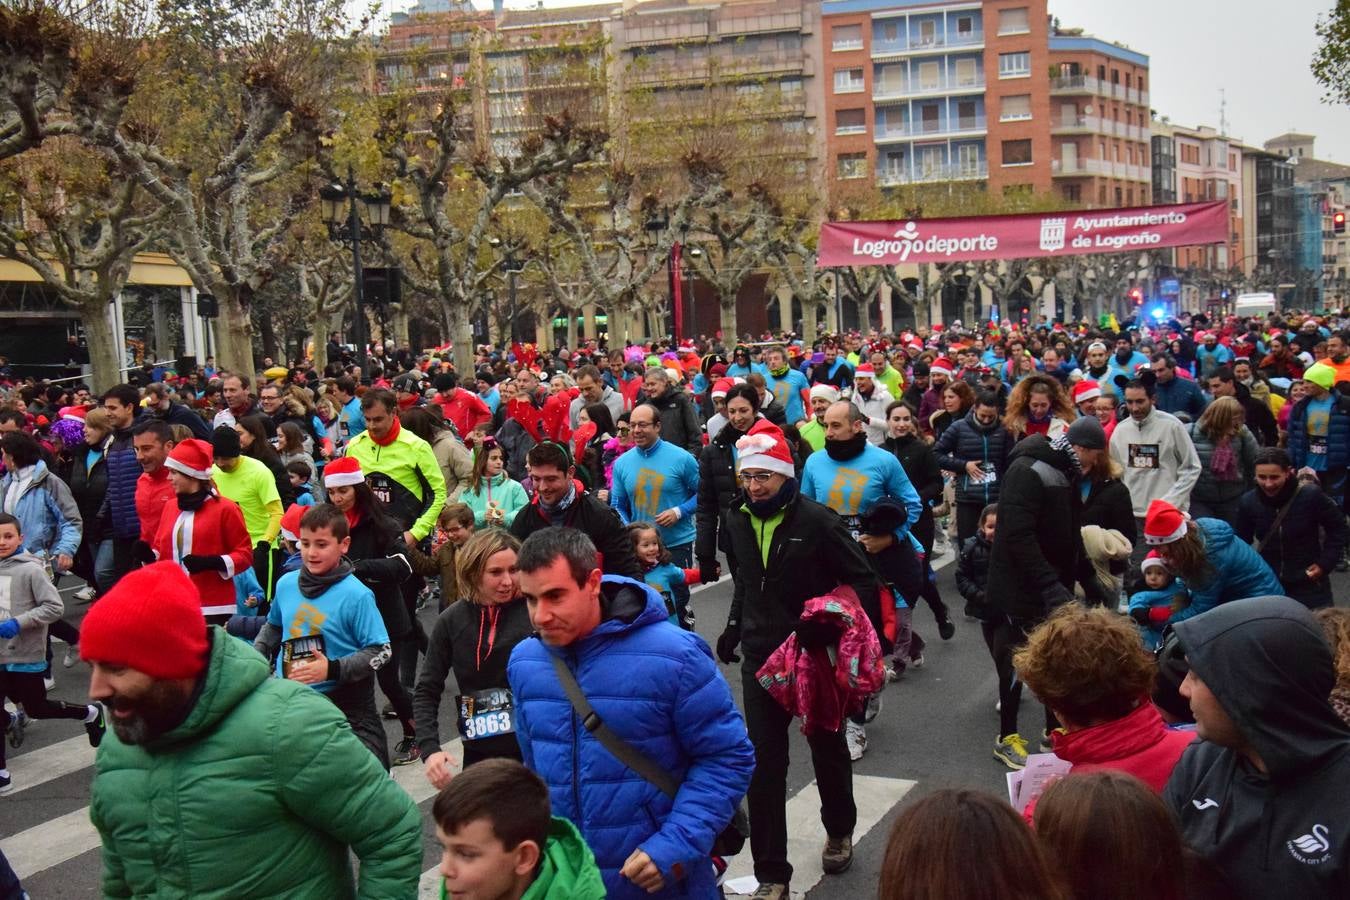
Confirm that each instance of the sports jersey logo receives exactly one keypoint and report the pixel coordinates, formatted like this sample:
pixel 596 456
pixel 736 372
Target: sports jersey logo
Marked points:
pixel 846 493
pixel 647 492
pixel 1311 849
pixel 308 619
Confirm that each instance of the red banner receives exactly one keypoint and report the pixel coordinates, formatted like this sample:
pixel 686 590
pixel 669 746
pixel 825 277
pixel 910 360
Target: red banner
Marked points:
pixel 1023 236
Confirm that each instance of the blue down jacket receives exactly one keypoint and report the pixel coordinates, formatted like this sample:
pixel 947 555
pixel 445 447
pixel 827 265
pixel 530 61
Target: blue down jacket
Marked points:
pixel 1239 571
pixel 47 512
pixel 659 690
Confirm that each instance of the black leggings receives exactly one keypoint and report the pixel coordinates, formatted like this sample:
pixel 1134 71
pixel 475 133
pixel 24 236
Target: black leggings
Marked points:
pixel 1003 637
pixel 26 688
pixel 387 676
pixel 356 699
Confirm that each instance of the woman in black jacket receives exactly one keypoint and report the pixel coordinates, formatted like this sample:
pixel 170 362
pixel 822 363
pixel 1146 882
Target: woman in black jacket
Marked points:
pixel 379 558
pixel 89 487
pixel 717 484
pixel 921 465
pixel 474 637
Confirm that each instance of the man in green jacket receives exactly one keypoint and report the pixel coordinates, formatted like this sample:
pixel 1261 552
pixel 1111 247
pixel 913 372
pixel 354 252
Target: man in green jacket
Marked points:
pixel 219 781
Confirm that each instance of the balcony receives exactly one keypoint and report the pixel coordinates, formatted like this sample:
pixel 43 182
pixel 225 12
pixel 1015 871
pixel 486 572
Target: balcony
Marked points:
pixel 1096 125
pixel 893 176
pixel 1074 84
pixel 886 93
pixel 765 24
pixel 907 131
pixel 1082 168
pixel 700 69
pixel 972 40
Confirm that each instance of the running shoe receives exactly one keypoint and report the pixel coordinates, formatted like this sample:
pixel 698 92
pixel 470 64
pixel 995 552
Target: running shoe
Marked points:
pixel 5 784
pixel 17 723
pixel 406 751
pixel 946 628
pixel 837 855
pixel 97 728
pixel 85 594
pixel 873 708
pixel 1011 751
pixel 72 655
pixel 770 891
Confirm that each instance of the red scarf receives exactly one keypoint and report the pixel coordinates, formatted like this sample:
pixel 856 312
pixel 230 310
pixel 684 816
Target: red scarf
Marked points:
pixel 353 518
pixel 391 436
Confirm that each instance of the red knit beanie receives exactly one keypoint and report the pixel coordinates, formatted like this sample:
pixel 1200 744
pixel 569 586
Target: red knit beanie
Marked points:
pixel 151 621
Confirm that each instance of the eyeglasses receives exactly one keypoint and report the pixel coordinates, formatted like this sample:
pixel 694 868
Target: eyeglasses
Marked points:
pixel 756 477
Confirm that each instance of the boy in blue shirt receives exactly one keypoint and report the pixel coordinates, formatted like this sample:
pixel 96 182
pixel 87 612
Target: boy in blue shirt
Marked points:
pixel 327 628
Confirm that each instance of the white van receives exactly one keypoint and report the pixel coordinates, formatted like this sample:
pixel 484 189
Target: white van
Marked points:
pixel 1248 305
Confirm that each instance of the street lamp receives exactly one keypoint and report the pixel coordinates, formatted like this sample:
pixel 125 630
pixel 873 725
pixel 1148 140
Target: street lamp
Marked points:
pixel 354 217
pixel 694 253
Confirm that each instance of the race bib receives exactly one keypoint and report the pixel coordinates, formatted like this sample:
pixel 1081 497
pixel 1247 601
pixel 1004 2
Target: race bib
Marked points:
pixel 1317 446
pixel 294 650
pixel 381 487
pixel 854 526
pixel 1144 456
pixel 990 476
pixel 487 713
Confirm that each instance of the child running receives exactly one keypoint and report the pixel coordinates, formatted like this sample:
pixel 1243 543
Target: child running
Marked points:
pixel 29 602
pixel 661 574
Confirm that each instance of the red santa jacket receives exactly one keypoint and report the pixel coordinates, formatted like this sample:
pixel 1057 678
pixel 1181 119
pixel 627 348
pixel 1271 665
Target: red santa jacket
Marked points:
pixel 465 410
pixel 153 491
pixel 216 529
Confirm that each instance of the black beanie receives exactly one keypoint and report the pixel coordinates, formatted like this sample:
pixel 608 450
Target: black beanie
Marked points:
pixel 225 442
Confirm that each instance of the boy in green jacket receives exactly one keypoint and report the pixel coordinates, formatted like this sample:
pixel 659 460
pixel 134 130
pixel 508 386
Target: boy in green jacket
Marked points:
pixel 500 840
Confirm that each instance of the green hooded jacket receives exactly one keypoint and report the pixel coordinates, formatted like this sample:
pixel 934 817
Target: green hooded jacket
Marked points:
pixel 259 793
pixel 567 870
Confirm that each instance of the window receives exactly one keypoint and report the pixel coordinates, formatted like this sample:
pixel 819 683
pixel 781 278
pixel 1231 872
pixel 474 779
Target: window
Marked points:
pixel 1115 76
pixel 1014 108
pixel 927 33
pixel 850 121
pixel 846 37
pixel 1101 73
pixel 848 81
pixel 852 165
pixel 929 76
pixel 965 115
pixel 1072 192
pixel 1013 21
pixel 889 80
pixel 890 32
pixel 1141 83
pixel 1017 153
pixel 965 27
pixel 968 159
pixel 966 73
pixel 1014 65
pixel 1232 162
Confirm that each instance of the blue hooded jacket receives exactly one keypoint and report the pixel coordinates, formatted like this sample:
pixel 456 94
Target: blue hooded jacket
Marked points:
pixel 1239 571
pixel 657 688
pixel 48 515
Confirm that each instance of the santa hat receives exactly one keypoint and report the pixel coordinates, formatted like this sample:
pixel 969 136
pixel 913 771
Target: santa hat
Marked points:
pixel 74 413
pixel 942 366
pixel 825 391
pixel 1086 390
pixel 343 472
pixel 764 447
pixel 1164 523
pixel 721 387
pixel 290 522
pixel 865 371
pixel 1151 561
pixel 192 458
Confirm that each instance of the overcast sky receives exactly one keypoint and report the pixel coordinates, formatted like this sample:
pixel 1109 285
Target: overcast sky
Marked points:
pixel 1257 51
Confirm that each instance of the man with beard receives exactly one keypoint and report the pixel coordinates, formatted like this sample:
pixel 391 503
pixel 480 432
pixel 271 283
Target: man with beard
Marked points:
pixel 1126 360
pixel 1210 355
pixel 787 384
pixel 184 698
pixel 833 370
pixel 871 399
pixel 918 386
pixel 1338 355
pixel 813 429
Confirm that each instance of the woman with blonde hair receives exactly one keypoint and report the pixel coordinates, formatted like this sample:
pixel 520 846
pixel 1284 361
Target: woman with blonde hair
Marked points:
pixel 1038 405
pixel 1335 623
pixel 474 637
pixel 1227 451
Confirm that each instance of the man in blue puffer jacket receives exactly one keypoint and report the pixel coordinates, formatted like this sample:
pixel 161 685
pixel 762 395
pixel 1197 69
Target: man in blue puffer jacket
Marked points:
pixel 124 470
pixel 657 688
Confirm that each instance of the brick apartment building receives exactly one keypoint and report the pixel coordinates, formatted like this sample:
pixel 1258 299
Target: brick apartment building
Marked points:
pixel 986 92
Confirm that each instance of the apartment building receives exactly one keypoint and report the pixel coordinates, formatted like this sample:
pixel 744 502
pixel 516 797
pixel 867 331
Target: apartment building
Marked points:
pixel 1193 165
pixel 1325 189
pixel 1269 230
pixel 429 45
pixel 982 91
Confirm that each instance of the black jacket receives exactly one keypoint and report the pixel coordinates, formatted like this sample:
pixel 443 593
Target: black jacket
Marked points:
pixel 1284 832
pixel 178 414
pixel 1036 545
pixel 600 522
pixel 1259 418
pixel 89 487
pixel 467 641
pixel 679 422
pixel 1313 531
pixel 380 560
pixel 968 440
pixel 717 486
pixel 920 464
pixel 810 554
pixel 1108 505
pixel 972 575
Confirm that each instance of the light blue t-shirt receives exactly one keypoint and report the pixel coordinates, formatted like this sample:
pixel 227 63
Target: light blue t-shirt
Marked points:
pixel 345 615
pixel 648 482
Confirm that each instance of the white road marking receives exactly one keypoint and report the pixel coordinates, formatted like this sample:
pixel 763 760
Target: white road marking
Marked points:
pixel 48 763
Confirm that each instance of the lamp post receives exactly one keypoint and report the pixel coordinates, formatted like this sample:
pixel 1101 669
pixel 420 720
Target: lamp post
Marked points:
pixel 694 253
pixel 658 220
pixel 512 265
pixel 355 217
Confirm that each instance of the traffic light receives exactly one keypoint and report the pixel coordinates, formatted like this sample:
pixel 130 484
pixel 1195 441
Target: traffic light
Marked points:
pixel 1338 222
pixel 1137 296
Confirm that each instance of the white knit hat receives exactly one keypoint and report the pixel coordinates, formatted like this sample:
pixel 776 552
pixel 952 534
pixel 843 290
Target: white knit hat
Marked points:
pixel 826 391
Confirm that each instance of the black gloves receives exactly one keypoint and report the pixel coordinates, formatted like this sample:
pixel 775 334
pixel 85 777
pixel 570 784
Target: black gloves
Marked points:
pixel 727 643
pixel 142 553
pixel 262 547
pixel 1140 615
pixel 812 634
pixel 198 562
pixel 709 570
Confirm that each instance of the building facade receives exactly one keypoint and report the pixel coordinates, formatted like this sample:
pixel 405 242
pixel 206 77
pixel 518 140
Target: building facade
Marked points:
pixel 1269 231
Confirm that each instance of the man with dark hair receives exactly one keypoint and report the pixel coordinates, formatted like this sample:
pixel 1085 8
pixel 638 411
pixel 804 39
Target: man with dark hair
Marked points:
pixel 161 406
pixel 12 420
pixel 239 402
pixel 400 467
pixel 832 369
pixel 152 441
pixel 1338 355
pixel 1259 418
pixel 654 687
pixel 510 850
pixel 121 402
pixel 562 500
pixel 1298 530
pixel 593 390
pixel 350 420
pixel 1262 795
pixel 462 408
pixel 1174 394
pixel 679 421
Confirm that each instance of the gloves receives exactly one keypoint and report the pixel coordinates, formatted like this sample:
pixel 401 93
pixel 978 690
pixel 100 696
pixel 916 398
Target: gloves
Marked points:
pixel 812 634
pixel 709 570
pixel 262 547
pixel 1158 615
pixel 1056 595
pixel 728 642
pixel 1140 615
pixel 9 628
pixel 142 553
pixel 200 562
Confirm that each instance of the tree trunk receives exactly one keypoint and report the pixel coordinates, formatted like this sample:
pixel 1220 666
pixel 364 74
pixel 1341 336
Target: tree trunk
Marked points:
pixel 571 328
pixel 810 312
pixel 727 320
pixel 105 355
pixel 461 333
pixel 235 353
pixel 269 338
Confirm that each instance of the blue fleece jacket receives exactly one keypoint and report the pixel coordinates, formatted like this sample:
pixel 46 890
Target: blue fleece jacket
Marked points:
pixel 649 482
pixel 1147 599
pixel 1238 571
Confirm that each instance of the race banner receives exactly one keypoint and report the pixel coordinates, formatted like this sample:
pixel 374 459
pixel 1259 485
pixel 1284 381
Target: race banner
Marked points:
pixel 1023 235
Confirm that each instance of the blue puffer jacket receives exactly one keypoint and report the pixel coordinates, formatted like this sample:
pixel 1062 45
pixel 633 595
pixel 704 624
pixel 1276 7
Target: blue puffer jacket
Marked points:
pixel 1338 433
pixel 658 689
pixel 120 501
pixel 968 440
pixel 47 513
pixel 1239 572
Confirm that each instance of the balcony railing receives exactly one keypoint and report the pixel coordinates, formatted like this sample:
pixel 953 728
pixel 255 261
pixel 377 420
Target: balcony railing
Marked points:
pixel 1060 168
pixel 921 129
pixel 919 43
pixel 882 92
pixel 889 176
pixel 1097 125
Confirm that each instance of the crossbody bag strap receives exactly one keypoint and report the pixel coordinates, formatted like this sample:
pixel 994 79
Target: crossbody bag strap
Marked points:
pixel 623 751
pixel 1279 520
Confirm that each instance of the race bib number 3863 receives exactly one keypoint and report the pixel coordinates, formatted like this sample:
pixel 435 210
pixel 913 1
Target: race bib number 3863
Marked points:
pixel 485 714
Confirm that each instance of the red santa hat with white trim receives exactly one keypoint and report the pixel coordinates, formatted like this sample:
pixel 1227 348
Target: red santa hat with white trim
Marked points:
pixel 764 447
pixel 721 387
pixel 865 371
pixel 192 458
pixel 1164 523
pixel 1086 390
pixel 290 522
pixel 342 472
pixel 1152 560
pixel 826 391
pixel 942 366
